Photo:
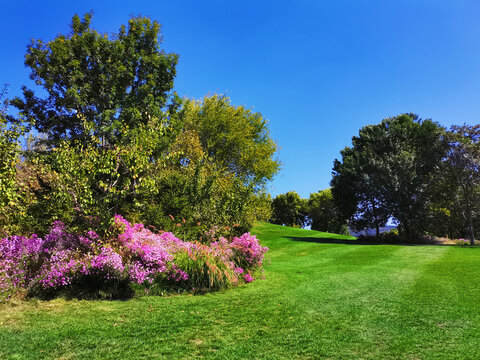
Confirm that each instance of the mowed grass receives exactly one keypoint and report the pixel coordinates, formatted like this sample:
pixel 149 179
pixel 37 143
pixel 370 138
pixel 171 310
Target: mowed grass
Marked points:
pixel 323 297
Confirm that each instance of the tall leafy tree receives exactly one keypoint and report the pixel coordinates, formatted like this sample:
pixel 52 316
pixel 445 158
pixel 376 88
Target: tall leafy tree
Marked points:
pixel 218 166
pixel 356 196
pixel 97 85
pixel 390 171
pixel 356 181
pixel 234 138
pixel 118 140
pixel 105 112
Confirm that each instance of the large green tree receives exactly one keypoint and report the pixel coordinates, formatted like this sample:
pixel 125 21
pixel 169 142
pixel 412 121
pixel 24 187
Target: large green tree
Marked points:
pixel 218 166
pixel 105 114
pixel 118 141
pixel 390 171
pixel 97 86
pixel 234 138
pixel 355 183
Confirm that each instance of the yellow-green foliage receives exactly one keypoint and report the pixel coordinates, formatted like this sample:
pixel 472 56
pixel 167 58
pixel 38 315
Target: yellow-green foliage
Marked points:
pixel 206 271
pixel 9 160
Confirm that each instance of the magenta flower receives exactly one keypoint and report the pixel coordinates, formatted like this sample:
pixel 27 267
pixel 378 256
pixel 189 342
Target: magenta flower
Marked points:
pixel 135 254
pixel 248 278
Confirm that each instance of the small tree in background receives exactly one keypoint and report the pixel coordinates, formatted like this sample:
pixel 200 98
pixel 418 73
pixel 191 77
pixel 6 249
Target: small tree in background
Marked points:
pixel 323 213
pixel 289 209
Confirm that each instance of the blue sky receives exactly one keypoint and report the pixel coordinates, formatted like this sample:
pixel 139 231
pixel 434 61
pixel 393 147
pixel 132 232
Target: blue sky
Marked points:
pixel 318 70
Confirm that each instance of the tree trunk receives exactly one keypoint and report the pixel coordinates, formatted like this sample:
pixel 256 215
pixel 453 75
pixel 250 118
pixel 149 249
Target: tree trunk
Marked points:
pixel 470 229
pixel 374 208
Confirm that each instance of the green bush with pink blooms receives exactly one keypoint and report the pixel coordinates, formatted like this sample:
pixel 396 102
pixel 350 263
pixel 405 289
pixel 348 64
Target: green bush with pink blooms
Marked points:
pixel 130 259
pixel 198 168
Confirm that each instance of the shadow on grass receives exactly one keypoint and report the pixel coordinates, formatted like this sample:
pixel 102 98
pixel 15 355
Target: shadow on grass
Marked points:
pixel 320 240
pixel 361 241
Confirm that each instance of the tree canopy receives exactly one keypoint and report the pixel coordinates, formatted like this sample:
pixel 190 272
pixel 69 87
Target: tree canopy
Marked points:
pixel 390 172
pixel 289 209
pixel 323 213
pixel 462 178
pixel 9 159
pixel 97 85
pixel 233 138
pixel 119 141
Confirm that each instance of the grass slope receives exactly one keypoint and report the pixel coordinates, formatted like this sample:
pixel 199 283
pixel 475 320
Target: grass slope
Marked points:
pixel 324 297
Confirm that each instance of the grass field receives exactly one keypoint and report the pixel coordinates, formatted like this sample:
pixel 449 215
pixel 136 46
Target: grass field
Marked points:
pixel 323 297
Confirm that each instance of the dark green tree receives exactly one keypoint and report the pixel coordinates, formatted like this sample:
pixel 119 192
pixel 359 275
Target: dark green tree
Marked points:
pixel 390 171
pixel 97 86
pixel 289 209
pixel 355 184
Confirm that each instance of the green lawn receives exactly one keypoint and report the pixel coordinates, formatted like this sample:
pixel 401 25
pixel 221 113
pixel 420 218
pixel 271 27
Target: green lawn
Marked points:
pixel 323 297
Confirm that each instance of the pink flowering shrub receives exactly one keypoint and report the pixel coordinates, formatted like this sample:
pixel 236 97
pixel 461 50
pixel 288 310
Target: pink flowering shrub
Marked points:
pixel 247 252
pixel 132 256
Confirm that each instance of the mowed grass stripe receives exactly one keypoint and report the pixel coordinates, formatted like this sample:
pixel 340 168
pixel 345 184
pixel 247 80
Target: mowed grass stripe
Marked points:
pixel 319 300
pixel 353 294
pixel 439 316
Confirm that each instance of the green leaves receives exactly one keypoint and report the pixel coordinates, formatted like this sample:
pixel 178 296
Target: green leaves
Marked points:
pixel 10 189
pixel 461 180
pixel 97 84
pixel 234 138
pixel 289 209
pixel 323 213
pixel 96 180
pixel 390 172
pixel 120 142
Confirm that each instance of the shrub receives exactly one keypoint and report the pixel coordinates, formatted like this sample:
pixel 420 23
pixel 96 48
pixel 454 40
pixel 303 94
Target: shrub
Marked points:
pixel 89 266
pixel 465 242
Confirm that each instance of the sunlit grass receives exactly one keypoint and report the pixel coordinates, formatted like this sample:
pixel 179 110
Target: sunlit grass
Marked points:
pixel 322 297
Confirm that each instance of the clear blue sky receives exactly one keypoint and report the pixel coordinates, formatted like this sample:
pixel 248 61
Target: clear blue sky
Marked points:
pixel 318 70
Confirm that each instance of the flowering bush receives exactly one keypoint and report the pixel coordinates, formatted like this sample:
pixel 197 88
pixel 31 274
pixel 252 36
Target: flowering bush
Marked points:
pixel 88 266
pixel 465 242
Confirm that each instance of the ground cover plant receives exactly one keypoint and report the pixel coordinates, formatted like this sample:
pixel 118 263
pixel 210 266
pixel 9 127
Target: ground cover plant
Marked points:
pixel 324 297
pixel 89 266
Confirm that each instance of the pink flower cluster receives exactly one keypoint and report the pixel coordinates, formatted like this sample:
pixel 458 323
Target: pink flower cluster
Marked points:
pixel 248 247
pixel 133 253
pixel 150 254
pixel 16 254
